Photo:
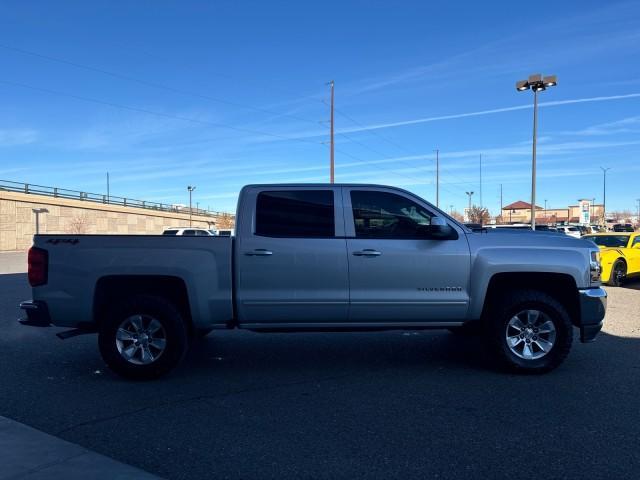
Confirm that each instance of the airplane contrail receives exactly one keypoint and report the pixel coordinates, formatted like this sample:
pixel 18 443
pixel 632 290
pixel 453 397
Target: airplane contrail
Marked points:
pixel 486 112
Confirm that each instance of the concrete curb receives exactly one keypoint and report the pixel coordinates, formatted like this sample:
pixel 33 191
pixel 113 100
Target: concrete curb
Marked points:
pixel 27 453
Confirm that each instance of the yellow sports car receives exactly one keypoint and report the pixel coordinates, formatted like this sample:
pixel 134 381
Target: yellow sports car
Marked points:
pixel 619 254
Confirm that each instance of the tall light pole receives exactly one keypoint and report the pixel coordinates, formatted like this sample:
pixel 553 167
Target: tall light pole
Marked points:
pixel 538 84
pixel 604 194
pixel 437 178
pixel 545 209
pixel 470 194
pixel 108 187
pixel 638 217
pixel 190 188
pixel 480 180
pixel 451 209
pixel 332 167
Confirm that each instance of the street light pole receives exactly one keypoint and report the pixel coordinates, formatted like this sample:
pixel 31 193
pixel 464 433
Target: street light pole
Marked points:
pixel 470 194
pixel 38 211
pixel 332 159
pixel 533 160
pixel 191 189
pixel 437 178
pixel 604 194
pixel 538 84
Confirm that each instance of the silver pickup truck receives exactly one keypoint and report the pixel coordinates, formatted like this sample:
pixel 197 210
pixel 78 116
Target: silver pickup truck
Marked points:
pixel 320 258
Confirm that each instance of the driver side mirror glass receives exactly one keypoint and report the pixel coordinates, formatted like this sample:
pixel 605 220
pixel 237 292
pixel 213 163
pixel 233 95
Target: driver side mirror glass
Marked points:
pixel 439 229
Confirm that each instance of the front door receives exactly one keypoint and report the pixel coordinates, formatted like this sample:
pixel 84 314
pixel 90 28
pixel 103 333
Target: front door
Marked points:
pixel 396 274
pixel 291 260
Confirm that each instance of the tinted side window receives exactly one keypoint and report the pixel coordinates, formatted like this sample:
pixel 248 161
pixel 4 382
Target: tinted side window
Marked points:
pixel 302 213
pixel 189 232
pixel 636 241
pixel 387 215
pixel 170 232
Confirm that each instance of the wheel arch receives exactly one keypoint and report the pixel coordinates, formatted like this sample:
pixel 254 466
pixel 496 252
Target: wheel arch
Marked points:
pixel 562 287
pixel 113 288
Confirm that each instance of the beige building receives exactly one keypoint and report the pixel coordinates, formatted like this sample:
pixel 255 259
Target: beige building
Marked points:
pixel 65 215
pixel 520 212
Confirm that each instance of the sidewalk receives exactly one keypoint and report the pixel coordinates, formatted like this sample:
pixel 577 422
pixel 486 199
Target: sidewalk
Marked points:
pixel 27 453
pixel 13 262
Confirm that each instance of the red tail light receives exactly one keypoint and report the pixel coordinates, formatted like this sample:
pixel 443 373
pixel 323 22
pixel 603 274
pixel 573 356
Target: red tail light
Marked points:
pixel 38 266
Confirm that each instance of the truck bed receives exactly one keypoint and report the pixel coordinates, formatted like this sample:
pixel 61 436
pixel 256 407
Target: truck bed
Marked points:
pixel 78 263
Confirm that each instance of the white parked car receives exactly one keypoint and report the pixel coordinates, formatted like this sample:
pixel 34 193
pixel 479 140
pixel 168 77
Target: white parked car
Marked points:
pixel 189 231
pixel 569 230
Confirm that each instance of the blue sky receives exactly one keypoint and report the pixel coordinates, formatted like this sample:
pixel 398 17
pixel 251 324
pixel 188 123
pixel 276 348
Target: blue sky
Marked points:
pixel 220 94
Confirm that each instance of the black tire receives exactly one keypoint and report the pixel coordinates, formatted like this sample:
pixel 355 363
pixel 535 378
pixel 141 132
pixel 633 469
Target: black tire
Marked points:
pixel 174 332
pixel 471 329
pixel 497 321
pixel 618 274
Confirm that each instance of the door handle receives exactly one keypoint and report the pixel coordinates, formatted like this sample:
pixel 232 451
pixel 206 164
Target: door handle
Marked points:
pixel 367 252
pixel 259 252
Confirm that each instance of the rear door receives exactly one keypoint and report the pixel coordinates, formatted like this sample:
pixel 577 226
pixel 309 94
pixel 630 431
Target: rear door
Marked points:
pixel 396 274
pixel 291 259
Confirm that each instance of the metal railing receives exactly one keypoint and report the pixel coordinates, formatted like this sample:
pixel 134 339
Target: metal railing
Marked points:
pixel 56 192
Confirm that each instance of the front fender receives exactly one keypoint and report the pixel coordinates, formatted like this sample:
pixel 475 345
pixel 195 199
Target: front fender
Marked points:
pixel 608 258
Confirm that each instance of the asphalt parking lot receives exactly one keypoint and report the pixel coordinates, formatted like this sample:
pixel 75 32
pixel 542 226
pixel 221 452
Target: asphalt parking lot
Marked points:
pixel 374 405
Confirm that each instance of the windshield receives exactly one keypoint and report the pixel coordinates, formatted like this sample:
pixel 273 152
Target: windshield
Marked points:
pixel 616 241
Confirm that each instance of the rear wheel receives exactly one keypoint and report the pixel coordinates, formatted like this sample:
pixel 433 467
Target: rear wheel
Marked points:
pixel 529 332
pixel 618 274
pixel 142 337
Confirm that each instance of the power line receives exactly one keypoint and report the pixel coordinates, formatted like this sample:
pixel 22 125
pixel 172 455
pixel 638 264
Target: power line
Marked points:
pixel 403 148
pixel 156 85
pixel 158 114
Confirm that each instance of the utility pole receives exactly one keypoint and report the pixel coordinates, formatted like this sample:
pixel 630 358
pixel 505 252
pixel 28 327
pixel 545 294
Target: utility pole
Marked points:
pixel 191 189
pixel 638 217
pixel 451 209
pixel 545 208
pixel 604 194
pixel 107 187
pixel 480 180
pixel 332 168
pixel 501 219
pixel 437 178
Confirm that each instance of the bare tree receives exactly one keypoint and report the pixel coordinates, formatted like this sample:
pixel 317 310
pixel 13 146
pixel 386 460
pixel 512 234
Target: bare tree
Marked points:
pixel 226 221
pixel 457 215
pixel 478 215
pixel 78 225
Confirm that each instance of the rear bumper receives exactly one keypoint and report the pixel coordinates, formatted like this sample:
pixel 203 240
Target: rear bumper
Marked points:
pixel 36 314
pixel 593 306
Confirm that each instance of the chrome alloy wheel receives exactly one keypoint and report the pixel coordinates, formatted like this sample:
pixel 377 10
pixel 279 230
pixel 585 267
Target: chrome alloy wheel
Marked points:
pixel 141 339
pixel 530 334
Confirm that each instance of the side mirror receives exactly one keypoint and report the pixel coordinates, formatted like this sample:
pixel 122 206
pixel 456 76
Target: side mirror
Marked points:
pixel 439 229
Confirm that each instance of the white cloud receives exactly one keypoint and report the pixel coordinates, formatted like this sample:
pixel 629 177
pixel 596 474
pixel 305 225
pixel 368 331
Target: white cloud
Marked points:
pixel 17 136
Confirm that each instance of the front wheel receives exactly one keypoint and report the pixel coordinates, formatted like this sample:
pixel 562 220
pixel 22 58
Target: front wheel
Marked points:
pixel 618 274
pixel 142 337
pixel 529 332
